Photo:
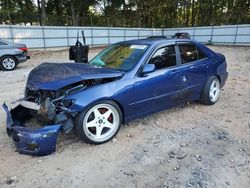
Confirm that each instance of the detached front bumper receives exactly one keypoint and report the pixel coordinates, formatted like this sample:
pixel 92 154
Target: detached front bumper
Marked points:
pixel 37 142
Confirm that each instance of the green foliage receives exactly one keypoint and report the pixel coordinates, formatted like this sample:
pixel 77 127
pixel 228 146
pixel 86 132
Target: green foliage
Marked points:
pixel 17 11
pixel 126 13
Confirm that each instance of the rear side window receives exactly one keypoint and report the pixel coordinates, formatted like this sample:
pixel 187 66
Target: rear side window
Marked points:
pixel 2 43
pixel 201 54
pixel 164 57
pixel 188 53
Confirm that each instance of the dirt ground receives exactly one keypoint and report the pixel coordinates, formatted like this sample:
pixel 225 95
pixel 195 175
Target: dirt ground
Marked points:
pixel 187 146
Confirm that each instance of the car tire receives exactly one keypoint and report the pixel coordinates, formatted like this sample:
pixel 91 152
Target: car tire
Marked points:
pixel 8 63
pixel 211 91
pixel 99 123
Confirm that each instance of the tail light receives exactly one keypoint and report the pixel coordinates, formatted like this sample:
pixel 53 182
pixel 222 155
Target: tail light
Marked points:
pixel 25 49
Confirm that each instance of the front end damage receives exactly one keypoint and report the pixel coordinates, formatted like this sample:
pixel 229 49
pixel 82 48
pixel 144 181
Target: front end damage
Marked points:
pixel 39 107
pixel 38 142
pixel 46 102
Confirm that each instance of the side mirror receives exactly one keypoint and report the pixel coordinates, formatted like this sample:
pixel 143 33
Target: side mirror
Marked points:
pixel 148 68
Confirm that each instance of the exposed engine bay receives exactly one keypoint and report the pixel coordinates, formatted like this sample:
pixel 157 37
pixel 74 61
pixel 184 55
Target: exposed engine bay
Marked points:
pixel 51 107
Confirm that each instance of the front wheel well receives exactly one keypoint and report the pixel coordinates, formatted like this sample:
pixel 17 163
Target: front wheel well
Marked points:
pixel 121 108
pixel 112 100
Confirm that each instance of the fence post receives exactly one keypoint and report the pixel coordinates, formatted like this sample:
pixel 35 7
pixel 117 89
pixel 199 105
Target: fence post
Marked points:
pixel 92 40
pixel 212 34
pixel 67 28
pixel 236 33
pixel 44 44
pixel 108 35
pixel 124 34
pixel 11 33
pixel 138 33
pixel 194 33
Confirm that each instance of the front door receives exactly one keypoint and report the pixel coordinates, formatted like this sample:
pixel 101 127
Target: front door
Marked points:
pixel 161 88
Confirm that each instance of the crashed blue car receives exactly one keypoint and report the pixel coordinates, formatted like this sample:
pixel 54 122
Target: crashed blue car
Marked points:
pixel 127 80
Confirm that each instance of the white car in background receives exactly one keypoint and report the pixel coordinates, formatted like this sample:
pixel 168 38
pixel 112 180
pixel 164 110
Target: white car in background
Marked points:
pixel 11 55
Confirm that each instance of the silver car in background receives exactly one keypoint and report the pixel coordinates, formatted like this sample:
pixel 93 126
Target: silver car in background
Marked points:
pixel 11 55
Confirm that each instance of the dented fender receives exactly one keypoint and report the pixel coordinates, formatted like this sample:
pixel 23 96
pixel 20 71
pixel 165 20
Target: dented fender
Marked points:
pixel 37 142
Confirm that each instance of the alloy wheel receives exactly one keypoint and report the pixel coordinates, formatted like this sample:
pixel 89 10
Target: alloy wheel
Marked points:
pixel 101 122
pixel 214 90
pixel 8 63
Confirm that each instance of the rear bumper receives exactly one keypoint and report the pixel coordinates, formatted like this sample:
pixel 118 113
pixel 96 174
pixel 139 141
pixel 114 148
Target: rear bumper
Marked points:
pixel 22 58
pixel 37 142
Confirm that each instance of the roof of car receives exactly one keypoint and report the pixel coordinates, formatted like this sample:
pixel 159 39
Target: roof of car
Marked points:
pixel 156 41
pixel 5 41
pixel 153 41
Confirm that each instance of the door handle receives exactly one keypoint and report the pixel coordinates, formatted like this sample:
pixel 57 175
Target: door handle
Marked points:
pixel 205 65
pixel 175 72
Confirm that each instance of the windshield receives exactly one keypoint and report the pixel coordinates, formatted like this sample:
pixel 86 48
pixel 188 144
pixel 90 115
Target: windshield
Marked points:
pixel 122 56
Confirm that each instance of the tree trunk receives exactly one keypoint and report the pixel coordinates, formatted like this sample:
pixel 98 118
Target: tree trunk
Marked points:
pixel 193 13
pixel 44 17
pixel 187 13
pixel 210 17
pixel 39 12
pixel 73 14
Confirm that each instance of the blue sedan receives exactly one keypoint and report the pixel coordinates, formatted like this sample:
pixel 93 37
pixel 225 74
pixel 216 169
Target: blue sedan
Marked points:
pixel 126 81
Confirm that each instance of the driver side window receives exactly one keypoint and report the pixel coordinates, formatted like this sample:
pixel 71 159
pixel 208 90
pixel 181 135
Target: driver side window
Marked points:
pixel 164 57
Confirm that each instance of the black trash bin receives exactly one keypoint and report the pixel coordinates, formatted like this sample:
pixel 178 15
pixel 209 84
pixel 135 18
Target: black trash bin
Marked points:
pixel 79 53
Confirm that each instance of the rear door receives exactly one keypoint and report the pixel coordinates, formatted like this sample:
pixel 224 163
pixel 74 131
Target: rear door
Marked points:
pixel 195 68
pixel 2 48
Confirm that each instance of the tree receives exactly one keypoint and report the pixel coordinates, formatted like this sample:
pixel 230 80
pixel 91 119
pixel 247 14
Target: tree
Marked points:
pixel 129 13
pixel 17 11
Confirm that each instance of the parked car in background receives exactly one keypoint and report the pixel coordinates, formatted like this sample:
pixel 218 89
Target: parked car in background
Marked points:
pixel 181 35
pixel 127 80
pixel 11 55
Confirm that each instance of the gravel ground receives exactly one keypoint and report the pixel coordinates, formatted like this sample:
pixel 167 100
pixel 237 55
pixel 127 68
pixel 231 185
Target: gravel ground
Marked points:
pixel 188 146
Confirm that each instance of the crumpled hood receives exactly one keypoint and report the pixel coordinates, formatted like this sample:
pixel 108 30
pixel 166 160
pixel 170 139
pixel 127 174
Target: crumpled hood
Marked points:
pixel 53 76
